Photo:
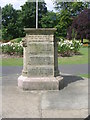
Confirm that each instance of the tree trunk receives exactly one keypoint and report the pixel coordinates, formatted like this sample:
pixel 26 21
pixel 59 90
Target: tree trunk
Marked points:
pixel 82 40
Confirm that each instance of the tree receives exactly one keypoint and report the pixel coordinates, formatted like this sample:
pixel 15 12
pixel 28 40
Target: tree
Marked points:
pixel 68 11
pixel 14 21
pixel 74 8
pixel 49 20
pixel 80 26
pixel 64 22
pixel 29 13
pixel 19 24
pixel 11 27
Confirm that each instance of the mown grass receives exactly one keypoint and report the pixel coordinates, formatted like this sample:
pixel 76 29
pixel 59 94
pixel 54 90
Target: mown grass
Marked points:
pixel 85 75
pixel 77 59
pixel 85 40
pixel 12 62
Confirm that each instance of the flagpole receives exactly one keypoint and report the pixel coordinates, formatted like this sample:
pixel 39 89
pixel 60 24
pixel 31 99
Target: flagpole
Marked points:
pixel 36 14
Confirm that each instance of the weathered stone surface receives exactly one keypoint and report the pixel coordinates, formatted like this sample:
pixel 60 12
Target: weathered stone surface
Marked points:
pixel 39 83
pixel 40 31
pixel 40 71
pixel 40 58
pixel 40 38
pixel 67 114
pixel 35 48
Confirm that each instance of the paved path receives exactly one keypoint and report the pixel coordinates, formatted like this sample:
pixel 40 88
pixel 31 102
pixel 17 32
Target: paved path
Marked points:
pixel 70 102
pixel 66 69
pixel 74 69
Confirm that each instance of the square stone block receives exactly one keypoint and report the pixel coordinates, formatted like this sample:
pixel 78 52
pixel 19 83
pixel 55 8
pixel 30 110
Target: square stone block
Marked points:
pixel 42 83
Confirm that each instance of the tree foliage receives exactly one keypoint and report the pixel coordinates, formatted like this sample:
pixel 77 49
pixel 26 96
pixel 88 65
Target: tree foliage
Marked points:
pixel 74 8
pixel 49 20
pixel 11 26
pixel 29 14
pixel 64 22
pixel 67 12
pixel 80 27
pixel 14 21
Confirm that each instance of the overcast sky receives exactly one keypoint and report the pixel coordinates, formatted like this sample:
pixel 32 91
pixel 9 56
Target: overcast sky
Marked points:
pixel 17 3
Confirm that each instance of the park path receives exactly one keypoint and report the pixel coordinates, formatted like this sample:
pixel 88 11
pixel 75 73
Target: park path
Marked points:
pixel 64 69
pixel 70 102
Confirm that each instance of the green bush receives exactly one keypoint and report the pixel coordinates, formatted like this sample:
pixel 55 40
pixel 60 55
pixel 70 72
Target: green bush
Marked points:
pixel 17 40
pixel 76 46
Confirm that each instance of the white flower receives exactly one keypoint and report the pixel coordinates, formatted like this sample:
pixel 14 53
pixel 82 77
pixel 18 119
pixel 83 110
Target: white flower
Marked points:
pixel 80 44
pixel 11 44
pixel 71 48
pixel 70 42
pixel 18 45
pixel 77 41
pixel 4 44
pixel 59 43
pixel 66 41
pixel 8 43
pixel 13 48
pixel 63 43
pixel 1 45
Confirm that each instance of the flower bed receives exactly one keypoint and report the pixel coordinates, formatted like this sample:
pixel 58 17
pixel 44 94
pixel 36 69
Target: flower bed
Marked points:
pixel 68 47
pixel 12 48
pixel 65 48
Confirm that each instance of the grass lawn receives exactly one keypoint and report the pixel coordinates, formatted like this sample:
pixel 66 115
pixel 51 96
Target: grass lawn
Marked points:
pixel 85 40
pixel 77 59
pixel 12 62
pixel 85 75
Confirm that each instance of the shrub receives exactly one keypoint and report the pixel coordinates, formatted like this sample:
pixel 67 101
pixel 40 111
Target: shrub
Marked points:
pixel 68 47
pixel 17 40
pixel 12 48
pixel 76 45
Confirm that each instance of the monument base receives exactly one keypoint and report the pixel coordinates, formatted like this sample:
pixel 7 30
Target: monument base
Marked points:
pixel 43 83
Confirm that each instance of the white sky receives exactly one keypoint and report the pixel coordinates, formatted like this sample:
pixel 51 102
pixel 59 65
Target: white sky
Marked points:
pixel 17 3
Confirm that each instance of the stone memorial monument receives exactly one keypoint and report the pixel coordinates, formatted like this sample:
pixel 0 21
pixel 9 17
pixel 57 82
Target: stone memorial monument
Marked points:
pixel 40 63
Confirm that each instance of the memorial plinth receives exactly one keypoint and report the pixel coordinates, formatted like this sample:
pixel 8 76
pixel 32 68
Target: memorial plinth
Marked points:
pixel 40 63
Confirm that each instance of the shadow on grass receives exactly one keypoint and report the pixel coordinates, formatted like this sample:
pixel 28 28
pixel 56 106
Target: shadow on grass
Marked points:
pixel 67 79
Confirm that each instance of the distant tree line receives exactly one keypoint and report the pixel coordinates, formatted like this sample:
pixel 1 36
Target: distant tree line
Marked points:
pixel 68 14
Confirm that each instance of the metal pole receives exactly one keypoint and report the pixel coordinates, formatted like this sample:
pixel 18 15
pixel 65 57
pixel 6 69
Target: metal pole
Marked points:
pixel 36 14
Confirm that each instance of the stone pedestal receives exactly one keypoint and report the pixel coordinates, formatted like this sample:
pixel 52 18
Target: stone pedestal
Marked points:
pixel 40 63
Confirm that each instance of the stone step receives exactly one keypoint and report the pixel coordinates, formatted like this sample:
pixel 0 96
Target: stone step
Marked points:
pixel 39 83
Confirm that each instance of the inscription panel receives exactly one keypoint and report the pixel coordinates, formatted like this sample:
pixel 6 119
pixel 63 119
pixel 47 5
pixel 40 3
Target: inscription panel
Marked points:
pixel 40 71
pixel 38 38
pixel 39 48
pixel 41 60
